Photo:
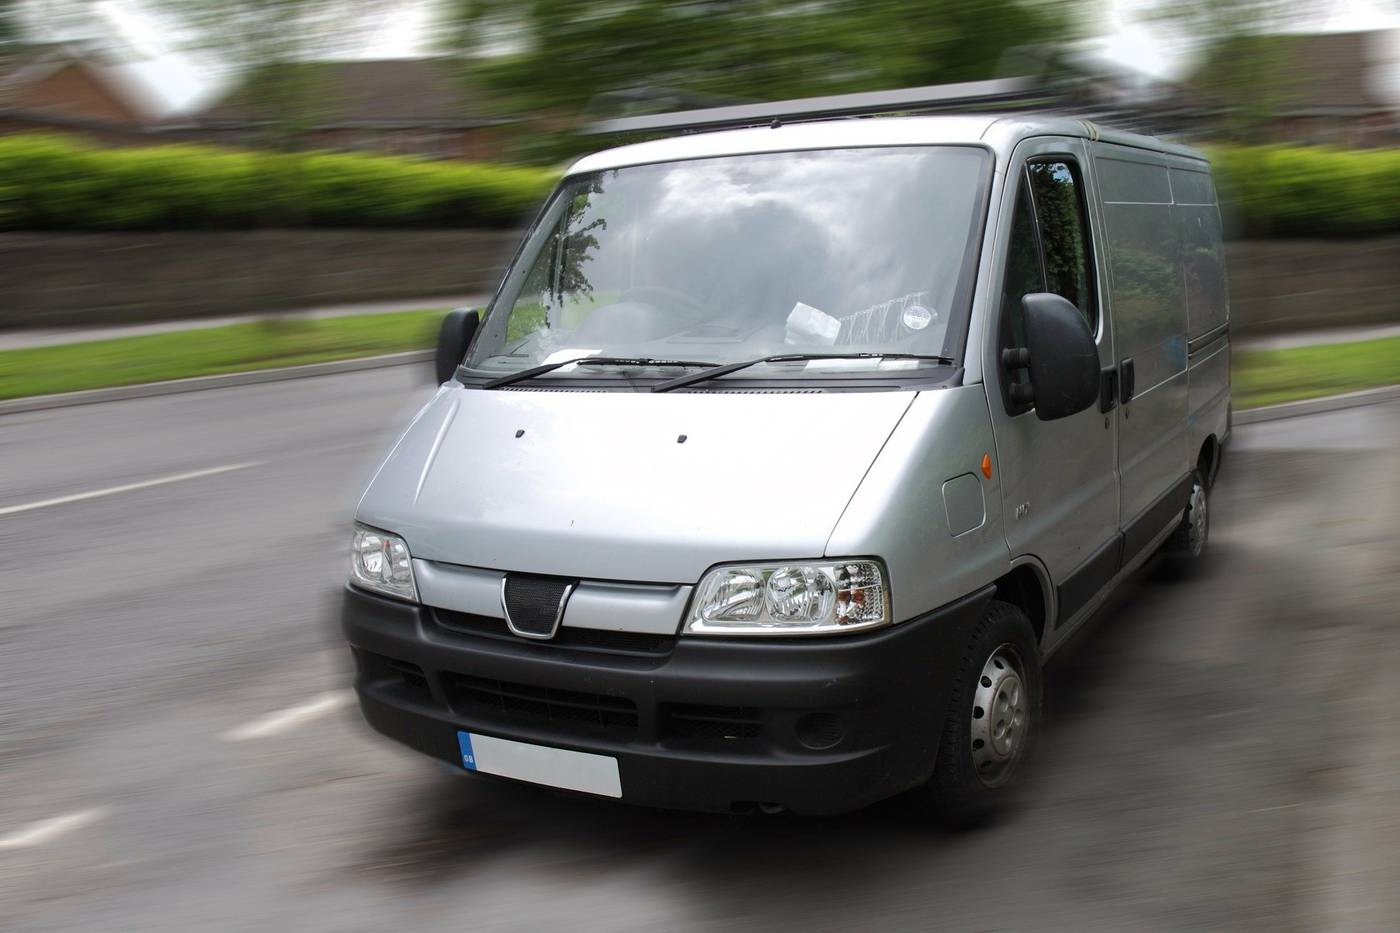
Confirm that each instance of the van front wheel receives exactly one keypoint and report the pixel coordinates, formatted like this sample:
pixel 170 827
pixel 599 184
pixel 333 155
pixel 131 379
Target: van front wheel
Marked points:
pixel 993 714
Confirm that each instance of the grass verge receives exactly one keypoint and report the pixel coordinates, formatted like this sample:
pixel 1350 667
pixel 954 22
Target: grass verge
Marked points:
pixel 1261 377
pixel 209 351
pixel 1268 377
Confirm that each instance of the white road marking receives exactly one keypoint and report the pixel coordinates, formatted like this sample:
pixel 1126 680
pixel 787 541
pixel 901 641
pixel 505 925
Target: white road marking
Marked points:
pixel 48 830
pixel 1282 806
pixel 127 487
pixel 288 719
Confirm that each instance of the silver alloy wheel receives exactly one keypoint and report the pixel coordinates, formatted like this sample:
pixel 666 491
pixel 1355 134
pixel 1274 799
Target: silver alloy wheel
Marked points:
pixel 1000 717
pixel 1197 520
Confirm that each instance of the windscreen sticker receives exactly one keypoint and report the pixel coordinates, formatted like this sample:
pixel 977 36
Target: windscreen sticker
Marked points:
pixel 917 317
pixel 808 325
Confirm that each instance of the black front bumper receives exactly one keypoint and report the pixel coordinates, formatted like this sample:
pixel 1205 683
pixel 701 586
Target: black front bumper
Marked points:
pixel 816 725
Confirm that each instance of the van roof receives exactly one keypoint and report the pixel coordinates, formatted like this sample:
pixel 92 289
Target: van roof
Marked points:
pixel 1001 133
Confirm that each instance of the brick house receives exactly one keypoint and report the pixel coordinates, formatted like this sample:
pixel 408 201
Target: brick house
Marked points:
pixel 75 89
pixel 398 106
pixel 1322 88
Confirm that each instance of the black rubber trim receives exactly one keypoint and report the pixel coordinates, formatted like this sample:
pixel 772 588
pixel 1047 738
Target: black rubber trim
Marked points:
pixel 1141 530
pixel 935 377
pixel 1195 345
pixel 1090 577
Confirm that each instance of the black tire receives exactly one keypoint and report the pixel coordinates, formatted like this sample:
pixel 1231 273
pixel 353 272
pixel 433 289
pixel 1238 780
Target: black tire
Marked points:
pixel 957 795
pixel 1185 549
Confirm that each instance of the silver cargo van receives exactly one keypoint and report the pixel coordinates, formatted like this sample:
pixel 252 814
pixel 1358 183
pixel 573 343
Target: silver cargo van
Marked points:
pixel 784 457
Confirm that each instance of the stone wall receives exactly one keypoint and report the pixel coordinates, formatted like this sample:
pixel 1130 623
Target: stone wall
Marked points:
pixel 1285 286
pixel 49 280
pixel 1276 286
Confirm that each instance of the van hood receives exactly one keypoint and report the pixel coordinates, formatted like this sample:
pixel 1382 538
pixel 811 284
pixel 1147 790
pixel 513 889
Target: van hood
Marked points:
pixel 627 485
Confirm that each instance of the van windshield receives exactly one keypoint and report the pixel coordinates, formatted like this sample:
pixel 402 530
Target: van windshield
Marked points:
pixel 719 260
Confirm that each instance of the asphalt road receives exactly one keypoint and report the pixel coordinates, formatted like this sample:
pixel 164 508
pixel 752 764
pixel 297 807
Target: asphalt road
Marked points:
pixel 176 751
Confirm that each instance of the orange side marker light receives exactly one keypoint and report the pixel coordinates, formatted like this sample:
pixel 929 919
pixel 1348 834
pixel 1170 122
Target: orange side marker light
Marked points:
pixel 987 465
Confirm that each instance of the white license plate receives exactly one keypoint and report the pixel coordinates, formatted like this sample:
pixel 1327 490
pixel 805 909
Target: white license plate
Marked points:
pixel 540 764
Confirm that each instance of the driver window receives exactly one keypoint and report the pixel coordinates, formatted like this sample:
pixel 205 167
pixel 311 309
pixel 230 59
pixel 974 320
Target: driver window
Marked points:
pixel 1048 252
pixel 1064 235
pixel 1024 276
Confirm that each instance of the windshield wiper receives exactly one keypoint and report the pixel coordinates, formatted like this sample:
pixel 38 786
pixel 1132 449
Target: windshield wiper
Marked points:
pixel 692 378
pixel 525 374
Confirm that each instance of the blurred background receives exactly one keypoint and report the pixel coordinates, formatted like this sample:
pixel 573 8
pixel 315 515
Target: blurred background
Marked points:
pixel 170 162
pixel 222 189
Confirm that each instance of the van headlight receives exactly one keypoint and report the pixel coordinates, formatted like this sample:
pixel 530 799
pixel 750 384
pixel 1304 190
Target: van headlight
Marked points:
pixel 807 598
pixel 380 561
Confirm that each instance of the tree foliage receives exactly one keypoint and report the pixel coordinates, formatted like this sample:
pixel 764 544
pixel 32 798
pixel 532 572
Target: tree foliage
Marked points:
pixel 248 33
pixel 11 28
pixel 545 55
pixel 1248 67
pixel 269 43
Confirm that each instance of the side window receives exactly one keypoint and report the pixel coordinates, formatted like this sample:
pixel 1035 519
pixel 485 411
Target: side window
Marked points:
pixel 1064 234
pixel 1024 276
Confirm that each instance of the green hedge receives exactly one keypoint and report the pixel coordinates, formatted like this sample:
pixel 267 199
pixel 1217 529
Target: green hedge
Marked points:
pixel 1308 191
pixel 54 183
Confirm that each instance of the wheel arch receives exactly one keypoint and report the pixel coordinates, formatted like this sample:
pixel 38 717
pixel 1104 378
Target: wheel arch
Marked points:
pixel 1208 459
pixel 1028 587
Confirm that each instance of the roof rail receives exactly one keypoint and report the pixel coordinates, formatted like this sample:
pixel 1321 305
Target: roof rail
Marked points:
pixel 1000 93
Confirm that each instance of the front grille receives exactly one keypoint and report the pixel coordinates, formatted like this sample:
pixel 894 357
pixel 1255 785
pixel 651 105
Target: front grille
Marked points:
pixel 524 702
pixel 535 603
pixel 693 721
pixel 581 639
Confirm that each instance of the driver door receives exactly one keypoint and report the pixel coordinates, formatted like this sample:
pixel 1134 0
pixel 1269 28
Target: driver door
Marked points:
pixel 1058 478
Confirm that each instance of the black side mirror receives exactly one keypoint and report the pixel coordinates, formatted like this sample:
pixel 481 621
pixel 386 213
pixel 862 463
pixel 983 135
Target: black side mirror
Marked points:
pixel 454 336
pixel 1061 356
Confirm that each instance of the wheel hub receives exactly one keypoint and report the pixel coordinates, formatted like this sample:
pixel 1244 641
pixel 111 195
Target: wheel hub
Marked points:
pixel 1000 717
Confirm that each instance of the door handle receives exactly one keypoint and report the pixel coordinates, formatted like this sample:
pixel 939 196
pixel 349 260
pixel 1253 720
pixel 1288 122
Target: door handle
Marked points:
pixel 1127 381
pixel 1108 389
